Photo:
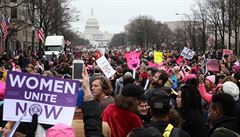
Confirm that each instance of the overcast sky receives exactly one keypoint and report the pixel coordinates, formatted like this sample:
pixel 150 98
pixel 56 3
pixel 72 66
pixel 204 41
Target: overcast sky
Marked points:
pixel 113 15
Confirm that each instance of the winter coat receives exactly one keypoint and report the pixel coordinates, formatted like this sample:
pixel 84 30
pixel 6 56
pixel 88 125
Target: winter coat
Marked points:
pixel 226 122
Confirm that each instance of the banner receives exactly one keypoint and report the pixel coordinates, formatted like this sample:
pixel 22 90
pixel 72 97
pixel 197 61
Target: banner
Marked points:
pixel 187 53
pixel 52 99
pixel 212 65
pixel 227 51
pixel 105 67
pixel 158 56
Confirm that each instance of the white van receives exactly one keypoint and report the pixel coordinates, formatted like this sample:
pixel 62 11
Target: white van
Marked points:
pixel 54 45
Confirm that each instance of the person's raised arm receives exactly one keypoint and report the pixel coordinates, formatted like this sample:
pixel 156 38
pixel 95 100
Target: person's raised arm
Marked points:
pixel 202 90
pixel 91 110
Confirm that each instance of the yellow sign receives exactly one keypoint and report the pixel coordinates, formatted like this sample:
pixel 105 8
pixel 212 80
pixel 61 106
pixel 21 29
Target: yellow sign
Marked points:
pixel 158 56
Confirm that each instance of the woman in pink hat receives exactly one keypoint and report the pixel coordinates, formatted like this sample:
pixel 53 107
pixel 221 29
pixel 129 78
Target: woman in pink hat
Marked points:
pixel 207 88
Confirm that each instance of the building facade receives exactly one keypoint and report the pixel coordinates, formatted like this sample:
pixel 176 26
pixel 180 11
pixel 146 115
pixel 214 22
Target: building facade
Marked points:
pixel 94 35
pixel 20 28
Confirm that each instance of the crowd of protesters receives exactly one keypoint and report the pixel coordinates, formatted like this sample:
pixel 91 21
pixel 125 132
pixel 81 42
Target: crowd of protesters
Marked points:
pixel 172 100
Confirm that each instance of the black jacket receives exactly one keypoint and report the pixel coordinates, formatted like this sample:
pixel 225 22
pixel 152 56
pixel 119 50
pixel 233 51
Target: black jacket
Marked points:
pixel 162 125
pixel 226 122
pixel 236 112
pixel 92 119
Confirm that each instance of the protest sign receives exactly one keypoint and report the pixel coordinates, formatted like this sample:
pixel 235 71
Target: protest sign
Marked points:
pixel 179 60
pixel 227 52
pixel 187 53
pixel 52 99
pixel 133 60
pixel 158 56
pixel 105 67
pixel 212 65
pixel 157 65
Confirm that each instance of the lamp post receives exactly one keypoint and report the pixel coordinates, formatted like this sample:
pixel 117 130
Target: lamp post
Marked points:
pixel 33 37
pixel 193 32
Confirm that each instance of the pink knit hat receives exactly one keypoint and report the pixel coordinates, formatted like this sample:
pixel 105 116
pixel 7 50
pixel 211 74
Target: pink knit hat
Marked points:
pixel 2 89
pixel 189 76
pixel 211 78
pixel 61 130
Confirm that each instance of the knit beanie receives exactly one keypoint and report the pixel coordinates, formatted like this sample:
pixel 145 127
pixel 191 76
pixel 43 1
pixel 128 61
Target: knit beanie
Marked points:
pixel 132 90
pixel 232 89
pixel 189 76
pixel 61 130
pixel 211 78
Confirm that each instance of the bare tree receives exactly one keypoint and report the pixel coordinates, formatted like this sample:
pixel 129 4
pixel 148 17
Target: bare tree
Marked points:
pixel 118 41
pixel 221 18
pixel 146 33
pixel 200 16
pixel 236 23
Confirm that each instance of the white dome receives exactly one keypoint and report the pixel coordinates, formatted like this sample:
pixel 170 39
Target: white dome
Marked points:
pixel 92 21
pixel 92 24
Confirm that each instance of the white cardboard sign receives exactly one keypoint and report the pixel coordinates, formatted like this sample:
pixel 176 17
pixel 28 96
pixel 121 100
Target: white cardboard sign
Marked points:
pixel 105 67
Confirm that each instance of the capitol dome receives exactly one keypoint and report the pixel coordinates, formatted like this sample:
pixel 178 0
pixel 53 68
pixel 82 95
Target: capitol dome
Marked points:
pixel 93 34
pixel 92 24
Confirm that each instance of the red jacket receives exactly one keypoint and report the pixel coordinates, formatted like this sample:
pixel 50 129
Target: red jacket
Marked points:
pixel 121 121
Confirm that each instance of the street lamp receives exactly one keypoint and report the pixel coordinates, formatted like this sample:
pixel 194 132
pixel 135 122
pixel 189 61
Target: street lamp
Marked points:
pixel 33 36
pixel 193 29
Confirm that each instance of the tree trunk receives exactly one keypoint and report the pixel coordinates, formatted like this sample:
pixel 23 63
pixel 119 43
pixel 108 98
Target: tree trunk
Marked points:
pixel 216 39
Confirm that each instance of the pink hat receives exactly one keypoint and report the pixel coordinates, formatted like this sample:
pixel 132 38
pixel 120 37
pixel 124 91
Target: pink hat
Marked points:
pixel 61 130
pixel 211 78
pixel 189 76
pixel 2 89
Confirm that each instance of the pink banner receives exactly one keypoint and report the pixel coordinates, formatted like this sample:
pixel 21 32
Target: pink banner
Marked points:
pixel 228 52
pixel 212 65
pixel 151 64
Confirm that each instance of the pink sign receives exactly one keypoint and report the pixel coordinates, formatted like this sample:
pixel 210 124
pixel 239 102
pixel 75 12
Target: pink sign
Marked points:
pixel 212 65
pixel 227 51
pixel 151 64
pixel 157 65
pixel 133 60
pixel 179 60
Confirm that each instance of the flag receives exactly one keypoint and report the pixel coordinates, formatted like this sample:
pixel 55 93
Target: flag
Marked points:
pixel 5 22
pixel 40 34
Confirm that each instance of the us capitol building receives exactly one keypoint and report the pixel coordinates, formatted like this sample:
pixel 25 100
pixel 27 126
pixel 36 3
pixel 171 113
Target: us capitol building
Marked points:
pixel 93 33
